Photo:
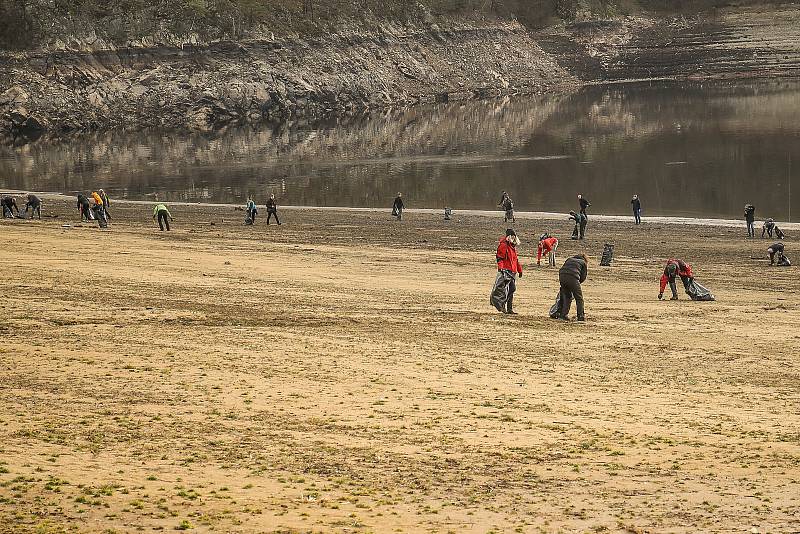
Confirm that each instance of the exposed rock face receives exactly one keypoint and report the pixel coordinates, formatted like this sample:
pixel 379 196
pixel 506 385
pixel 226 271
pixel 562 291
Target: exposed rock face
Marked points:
pixel 734 42
pixel 200 86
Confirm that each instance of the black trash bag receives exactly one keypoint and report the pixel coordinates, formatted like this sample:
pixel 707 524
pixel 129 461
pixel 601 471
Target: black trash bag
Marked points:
pixel 698 292
pixel 783 261
pixel 779 233
pixel 248 221
pixel 555 309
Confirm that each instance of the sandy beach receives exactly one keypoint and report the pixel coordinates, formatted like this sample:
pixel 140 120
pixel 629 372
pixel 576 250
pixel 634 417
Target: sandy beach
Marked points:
pixel 345 373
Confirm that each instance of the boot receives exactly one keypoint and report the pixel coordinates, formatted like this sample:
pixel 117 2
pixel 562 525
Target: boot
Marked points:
pixel 510 305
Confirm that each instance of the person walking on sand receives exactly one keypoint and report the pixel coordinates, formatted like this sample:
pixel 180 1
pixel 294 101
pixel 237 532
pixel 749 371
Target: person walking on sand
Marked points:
pixel 398 206
pixel 272 209
pixel 750 219
pixel 83 208
pixel 163 215
pixel 33 203
pixel 636 204
pixel 252 211
pixel 571 275
pixel 583 203
pixel 673 269
pixel 508 267
pixel 9 206
pixel 547 247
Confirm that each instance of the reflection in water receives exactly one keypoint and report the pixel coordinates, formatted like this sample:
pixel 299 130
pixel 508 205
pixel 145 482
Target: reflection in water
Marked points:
pixel 694 149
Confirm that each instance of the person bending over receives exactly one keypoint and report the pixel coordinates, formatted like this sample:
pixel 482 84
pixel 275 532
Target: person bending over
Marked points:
pixel 776 253
pixel 571 275
pixel 163 215
pixel 547 247
pixel 9 206
pixel 673 269
pixel 33 203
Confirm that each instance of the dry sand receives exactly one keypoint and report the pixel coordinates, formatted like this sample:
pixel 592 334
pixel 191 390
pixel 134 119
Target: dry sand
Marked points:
pixel 345 373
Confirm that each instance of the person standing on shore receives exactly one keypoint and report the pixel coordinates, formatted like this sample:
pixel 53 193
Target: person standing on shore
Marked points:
pixel 272 209
pixel 547 246
pixel 636 204
pixel 34 203
pixel 398 206
pixel 106 204
pixel 97 208
pixel 571 275
pixel 675 268
pixel 251 210
pixel 750 219
pixel 164 216
pixel 83 208
pixel 508 208
pixel 508 266
pixel 583 203
pixel 9 205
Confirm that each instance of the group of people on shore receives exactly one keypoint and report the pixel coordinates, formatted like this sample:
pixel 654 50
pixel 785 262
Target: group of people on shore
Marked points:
pixel 575 269
pixel 96 209
pixel 11 210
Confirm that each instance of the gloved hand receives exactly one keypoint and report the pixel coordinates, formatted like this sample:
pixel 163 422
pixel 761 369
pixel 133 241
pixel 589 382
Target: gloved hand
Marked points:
pixel 660 296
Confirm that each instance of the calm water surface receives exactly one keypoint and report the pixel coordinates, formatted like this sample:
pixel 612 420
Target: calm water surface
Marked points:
pixel 691 149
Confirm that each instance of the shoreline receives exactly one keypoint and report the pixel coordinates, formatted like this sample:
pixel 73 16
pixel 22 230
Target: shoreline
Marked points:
pixel 525 215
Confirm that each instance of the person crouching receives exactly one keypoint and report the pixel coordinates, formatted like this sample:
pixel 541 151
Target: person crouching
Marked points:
pixel 508 266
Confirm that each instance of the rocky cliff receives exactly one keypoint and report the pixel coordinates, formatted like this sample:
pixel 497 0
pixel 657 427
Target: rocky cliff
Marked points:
pixel 87 85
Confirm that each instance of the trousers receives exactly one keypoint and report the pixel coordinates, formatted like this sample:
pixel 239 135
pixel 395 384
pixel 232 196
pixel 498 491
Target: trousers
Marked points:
pixel 570 289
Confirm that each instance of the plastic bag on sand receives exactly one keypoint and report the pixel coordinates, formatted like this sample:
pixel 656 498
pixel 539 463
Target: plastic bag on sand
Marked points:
pixel 699 292
pixel 555 309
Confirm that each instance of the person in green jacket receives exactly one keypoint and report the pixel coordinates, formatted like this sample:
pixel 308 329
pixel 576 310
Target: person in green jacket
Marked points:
pixel 164 216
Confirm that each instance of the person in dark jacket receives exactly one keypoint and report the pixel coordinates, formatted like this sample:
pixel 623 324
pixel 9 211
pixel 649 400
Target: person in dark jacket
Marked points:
pixel 581 221
pixel 106 204
pixel 508 207
pixel 671 270
pixel 34 203
pixel 583 203
pixel 397 207
pixel 750 219
pixel 768 228
pixel 272 209
pixel 508 266
pixel 777 250
pixel 9 206
pixel 571 275
pixel 84 208
pixel 636 204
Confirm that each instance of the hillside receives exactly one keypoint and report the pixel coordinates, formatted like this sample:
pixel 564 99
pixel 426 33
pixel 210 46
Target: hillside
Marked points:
pixel 201 64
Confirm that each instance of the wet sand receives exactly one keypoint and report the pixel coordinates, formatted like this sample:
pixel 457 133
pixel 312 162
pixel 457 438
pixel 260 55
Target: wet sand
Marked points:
pixel 344 373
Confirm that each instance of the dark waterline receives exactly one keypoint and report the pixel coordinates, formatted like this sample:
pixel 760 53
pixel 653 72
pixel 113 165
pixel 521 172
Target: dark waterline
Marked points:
pixel 687 148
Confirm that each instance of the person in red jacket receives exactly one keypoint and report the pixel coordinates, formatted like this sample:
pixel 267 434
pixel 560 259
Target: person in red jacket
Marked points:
pixel 508 267
pixel 547 247
pixel 675 268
